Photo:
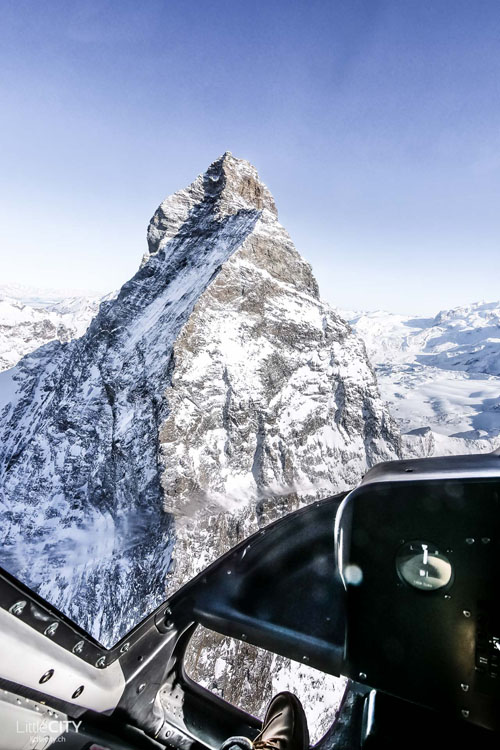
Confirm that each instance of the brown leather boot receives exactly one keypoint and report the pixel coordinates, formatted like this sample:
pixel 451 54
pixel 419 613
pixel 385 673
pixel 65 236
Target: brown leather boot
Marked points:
pixel 285 725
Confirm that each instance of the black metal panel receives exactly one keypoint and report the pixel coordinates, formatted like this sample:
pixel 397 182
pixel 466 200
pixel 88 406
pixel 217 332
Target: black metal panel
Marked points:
pixel 280 590
pixel 425 645
pixel 475 466
pixel 391 724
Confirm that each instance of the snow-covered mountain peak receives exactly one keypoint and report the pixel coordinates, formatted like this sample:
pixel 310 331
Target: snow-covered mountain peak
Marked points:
pixel 228 186
pixel 236 184
pixel 463 338
pixel 215 387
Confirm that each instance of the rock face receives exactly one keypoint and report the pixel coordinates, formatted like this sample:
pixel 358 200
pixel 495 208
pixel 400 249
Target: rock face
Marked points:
pixel 214 393
pixel 272 401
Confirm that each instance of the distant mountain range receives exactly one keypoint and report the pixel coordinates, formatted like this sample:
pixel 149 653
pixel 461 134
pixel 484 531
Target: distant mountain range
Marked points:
pixel 439 374
pixel 32 317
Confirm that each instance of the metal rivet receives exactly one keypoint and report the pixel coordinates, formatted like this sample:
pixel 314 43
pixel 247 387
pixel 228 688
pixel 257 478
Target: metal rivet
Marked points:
pixel 124 648
pixel 464 687
pixel 141 687
pixel 470 540
pixel 101 662
pixel 362 676
pixel 78 692
pixel 140 658
pixel 486 540
pixel 447 596
pixel 78 647
pixel 465 713
pixel 18 607
pixel 466 613
pixel 46 677
pixel 50 631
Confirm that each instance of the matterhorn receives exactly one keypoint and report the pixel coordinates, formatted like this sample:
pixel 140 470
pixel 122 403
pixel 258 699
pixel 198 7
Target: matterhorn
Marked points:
pixel 213 393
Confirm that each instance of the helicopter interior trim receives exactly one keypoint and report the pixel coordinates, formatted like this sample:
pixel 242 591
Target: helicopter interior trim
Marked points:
pixel 29 657
pixel 394 585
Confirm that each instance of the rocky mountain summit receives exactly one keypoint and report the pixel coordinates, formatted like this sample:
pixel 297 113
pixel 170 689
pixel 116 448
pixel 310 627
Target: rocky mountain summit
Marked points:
pixel 214 393
pixel 272 400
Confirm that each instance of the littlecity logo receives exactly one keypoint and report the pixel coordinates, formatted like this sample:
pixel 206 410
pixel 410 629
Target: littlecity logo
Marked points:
pixel 50 726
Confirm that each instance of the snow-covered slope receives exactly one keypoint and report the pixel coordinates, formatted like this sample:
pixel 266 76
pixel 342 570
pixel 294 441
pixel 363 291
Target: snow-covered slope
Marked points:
pixel 32 317
pixel 441 373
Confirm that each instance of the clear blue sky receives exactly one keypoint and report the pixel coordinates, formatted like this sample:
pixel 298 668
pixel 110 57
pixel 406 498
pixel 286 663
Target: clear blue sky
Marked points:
pixel 376 126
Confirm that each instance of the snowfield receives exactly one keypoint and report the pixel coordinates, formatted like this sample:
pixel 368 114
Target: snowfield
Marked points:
pixel 440 374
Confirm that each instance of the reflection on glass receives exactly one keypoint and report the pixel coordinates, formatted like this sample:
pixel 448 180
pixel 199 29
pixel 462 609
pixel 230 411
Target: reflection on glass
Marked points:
pixel 423 566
